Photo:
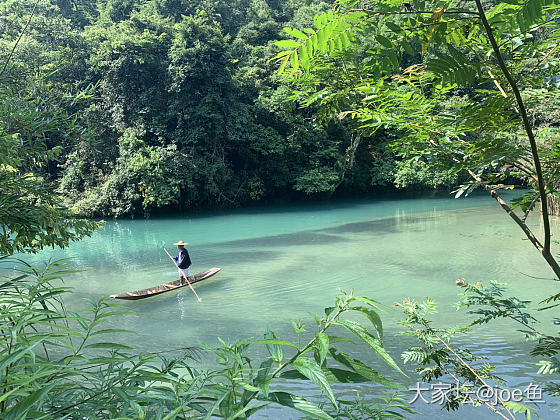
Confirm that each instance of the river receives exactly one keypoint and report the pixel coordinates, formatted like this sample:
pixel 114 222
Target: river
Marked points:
pixel 280 263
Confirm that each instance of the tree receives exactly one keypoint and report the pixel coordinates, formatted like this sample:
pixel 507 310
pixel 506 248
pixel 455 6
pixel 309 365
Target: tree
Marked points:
pixel 457 82
pixel 463 50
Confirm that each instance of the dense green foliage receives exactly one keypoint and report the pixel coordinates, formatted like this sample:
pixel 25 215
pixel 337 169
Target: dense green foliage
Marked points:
pixel 187 111
pixel 55 363
pixel 31 216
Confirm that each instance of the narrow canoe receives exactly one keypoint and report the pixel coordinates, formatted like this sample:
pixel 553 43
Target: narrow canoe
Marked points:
pixel 167 287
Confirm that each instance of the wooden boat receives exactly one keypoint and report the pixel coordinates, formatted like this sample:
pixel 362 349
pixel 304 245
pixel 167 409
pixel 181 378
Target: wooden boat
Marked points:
pixel 167 287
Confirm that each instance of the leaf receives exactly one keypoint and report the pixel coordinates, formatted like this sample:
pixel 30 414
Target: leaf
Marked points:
pixel 264 377
pixel 322 345
pixel 294 60
pixel 362 369
pixel 275 341
pixel 371 341
pixel 284 62
pixel 311 370
pixel 406 46
pixel 384 41
pixel 287 43
pixel 110 346
pixel 332 375
pixel 299 404
pixel 374 318
pixel 15 356
pixel 249 387
pixel 281 54
pixel 334 339
pixel 368 301
pixel 112 331
pixel 274 349
pixel 519 408
pixel 20 410
pixel 392 26
pixel 296 33
pixel 393 59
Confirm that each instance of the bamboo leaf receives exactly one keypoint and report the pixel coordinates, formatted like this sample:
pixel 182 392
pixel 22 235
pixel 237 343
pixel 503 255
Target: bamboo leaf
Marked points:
pixel 109 346
pixel 20 410
pixel 15 356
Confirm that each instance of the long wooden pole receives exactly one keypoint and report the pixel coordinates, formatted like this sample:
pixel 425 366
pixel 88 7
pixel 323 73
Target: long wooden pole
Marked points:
pixel 180 273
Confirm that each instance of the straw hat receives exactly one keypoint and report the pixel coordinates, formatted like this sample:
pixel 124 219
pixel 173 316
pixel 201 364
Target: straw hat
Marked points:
pixel 180 243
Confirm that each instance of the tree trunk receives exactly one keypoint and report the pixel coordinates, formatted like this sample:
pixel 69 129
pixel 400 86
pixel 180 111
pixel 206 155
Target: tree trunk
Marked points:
pixel 553 205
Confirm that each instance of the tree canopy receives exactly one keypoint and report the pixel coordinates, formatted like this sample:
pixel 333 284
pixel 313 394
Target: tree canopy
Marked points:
pixel 187 111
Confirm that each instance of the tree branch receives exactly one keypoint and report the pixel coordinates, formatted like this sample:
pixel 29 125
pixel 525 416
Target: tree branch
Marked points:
pixel 19 38
pixel 526 124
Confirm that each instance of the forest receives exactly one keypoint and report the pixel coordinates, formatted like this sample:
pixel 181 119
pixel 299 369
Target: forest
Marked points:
pixel 131 108
pixel 177 105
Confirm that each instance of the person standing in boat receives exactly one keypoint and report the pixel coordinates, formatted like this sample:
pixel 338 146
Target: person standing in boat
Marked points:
pixel 183 260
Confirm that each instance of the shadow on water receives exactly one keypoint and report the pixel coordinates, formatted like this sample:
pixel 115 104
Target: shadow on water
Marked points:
pixel 232 257
pixel 388 225
pixel 288 239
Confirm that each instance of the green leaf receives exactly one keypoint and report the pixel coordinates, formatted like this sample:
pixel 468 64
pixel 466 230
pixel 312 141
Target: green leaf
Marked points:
pixel 20 410
pixel 274 349
pixel 322 345
pixel 275 341
pixel 299 404
pixel 394 27
pixel 332 375
pixel 112 331
pixel 249 387
pixel 373 317
pixel 294 60
pixel 296 33
pixel 368 301
pixel 284 62
pixel 110 346
pixel 520 408
pixel 281 54
pixel 393 58
pixel 362 369
pixel 15 356
pixel 264 377
pixel 334 339
pixel 406 46
pixel 287 43
pixel 311 370
pixel 384 41
pixel 371 341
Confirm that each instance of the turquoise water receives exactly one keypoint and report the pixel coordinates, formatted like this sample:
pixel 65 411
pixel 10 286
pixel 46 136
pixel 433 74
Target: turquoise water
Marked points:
pixel 280 263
